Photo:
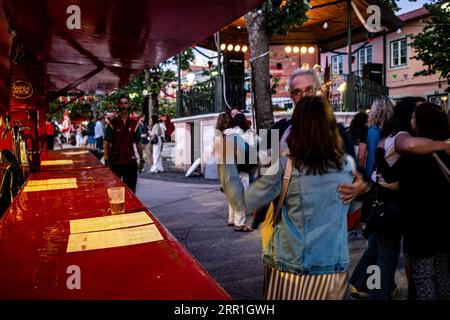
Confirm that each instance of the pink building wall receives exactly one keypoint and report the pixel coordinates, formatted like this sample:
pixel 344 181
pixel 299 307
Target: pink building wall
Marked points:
pixel 400 80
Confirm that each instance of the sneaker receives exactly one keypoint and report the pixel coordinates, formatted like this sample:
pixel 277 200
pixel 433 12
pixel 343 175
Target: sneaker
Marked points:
pixel 242 229
pixel 355 294
pixel 396 292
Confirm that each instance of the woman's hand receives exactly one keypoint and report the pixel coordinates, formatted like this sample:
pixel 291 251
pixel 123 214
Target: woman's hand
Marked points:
pixel 350 191
pixel 447 146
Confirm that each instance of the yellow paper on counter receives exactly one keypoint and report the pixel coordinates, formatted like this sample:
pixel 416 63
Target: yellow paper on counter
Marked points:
pixel 113 238
pixel 74 153
pixel 56 162
pixel 51 181
pixel 110 222
pixel 47 187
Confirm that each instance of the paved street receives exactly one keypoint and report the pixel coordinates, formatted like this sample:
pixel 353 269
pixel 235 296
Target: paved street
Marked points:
pixel 196 214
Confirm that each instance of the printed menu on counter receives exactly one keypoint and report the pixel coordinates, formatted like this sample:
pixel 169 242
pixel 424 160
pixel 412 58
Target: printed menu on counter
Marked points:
pixel 50 184
pixel 75 153
pixel 113 238
pixel 110 222
pixel 56 162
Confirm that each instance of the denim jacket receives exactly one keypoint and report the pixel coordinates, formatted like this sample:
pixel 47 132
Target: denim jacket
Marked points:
pixel 311 237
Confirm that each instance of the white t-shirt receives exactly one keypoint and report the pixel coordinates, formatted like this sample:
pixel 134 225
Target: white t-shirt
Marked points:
pixel 391 155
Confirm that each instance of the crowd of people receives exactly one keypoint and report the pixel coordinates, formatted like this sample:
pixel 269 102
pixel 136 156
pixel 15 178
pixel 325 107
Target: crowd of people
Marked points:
pixel 391 164
pixel 89 135
pixel 393 160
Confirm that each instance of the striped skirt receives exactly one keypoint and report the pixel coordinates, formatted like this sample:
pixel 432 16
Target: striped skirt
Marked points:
pixel 288 286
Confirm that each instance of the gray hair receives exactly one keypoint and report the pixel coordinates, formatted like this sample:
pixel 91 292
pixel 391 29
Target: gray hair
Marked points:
pixel 304 72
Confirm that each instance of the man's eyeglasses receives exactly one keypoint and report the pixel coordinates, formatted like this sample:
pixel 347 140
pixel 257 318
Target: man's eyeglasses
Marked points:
pixel 309 91
pixel 123 102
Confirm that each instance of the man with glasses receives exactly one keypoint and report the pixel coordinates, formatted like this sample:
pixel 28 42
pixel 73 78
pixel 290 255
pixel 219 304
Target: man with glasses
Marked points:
pixel 120 134
pixel 303 83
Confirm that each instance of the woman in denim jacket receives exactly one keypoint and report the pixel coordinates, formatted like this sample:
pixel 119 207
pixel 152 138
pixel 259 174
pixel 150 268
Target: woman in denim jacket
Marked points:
pixel 307 256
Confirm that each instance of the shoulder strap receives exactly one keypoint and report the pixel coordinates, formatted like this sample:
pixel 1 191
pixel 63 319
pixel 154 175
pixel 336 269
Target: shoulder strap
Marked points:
pixel 442 166
pixel 284 187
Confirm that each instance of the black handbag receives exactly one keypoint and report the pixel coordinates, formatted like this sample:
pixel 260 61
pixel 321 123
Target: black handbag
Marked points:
pixel 154 140
pixel 384 215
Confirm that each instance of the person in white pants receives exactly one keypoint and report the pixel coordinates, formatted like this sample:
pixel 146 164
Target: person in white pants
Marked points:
pixel 236 218
pixel 157 147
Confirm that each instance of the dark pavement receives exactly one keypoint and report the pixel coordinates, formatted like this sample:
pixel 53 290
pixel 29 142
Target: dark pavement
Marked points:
pixel 196 214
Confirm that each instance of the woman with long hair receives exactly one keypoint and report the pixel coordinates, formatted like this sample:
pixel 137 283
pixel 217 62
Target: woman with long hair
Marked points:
pixel 307 255
pixel 384 244
pixel 379 114
pixel 358 134
pixel 424 193
pixel 156 141
pixel 145 141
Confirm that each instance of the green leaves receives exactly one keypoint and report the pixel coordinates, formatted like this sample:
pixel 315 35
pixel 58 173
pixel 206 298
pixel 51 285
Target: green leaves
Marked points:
pixel 433 43
pixel 280 19
pixel 158 77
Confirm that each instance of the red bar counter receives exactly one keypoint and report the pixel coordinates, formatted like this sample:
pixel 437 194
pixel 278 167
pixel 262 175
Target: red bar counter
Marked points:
pixel 82 159
pixel 34 263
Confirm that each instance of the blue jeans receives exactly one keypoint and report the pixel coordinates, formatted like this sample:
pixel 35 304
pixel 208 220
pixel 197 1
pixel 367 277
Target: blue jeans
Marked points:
pixel 383 250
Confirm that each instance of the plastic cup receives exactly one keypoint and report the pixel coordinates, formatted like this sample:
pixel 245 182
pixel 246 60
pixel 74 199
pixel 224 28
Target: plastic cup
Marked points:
pixel 117 200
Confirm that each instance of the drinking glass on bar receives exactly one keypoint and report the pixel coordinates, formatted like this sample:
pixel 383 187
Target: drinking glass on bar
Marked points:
pixel 117 200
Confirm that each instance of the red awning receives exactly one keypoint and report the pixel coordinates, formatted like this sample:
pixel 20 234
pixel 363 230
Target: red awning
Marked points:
pixel 118 37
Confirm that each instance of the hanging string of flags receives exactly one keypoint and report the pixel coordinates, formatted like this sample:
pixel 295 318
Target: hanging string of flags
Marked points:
pixel 83 99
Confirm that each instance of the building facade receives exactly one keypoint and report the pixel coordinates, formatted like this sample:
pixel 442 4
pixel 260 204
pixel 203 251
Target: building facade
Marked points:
pixel 397 56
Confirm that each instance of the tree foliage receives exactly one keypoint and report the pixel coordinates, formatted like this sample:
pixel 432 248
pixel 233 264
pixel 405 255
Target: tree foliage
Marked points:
pixel 142 85
pixel 134 90
pixel 282 17
pixel 78 106
pixel 163 74
pixel 432 45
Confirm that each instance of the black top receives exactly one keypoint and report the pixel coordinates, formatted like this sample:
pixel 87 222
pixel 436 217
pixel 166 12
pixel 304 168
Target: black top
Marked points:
pixel 425 206
pixel 91 129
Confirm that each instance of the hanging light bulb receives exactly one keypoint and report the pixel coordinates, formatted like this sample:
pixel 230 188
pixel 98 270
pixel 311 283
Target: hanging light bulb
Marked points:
pixel 230 47
pixel 244 49
pixel 296 49
pixel 303 50
pixel 190 77
pixel 311 50
pixel 237 48
pixel 223 46
pixel 399 30
pixel 325 25
pixel 288 49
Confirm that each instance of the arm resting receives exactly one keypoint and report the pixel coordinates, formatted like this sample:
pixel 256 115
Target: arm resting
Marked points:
pixel 406 143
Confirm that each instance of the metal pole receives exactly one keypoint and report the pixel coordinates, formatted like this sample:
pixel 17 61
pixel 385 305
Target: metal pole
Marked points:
pixel 218 98
pixel 179 91
pixel 384 57
pixel 219 55
pixel 350 87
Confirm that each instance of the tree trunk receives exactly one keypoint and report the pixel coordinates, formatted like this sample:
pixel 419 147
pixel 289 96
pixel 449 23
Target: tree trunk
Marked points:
pixel 154 104
pixel 259 48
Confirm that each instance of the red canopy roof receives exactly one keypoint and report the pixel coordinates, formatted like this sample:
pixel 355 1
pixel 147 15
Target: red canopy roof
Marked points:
pixel 118 37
